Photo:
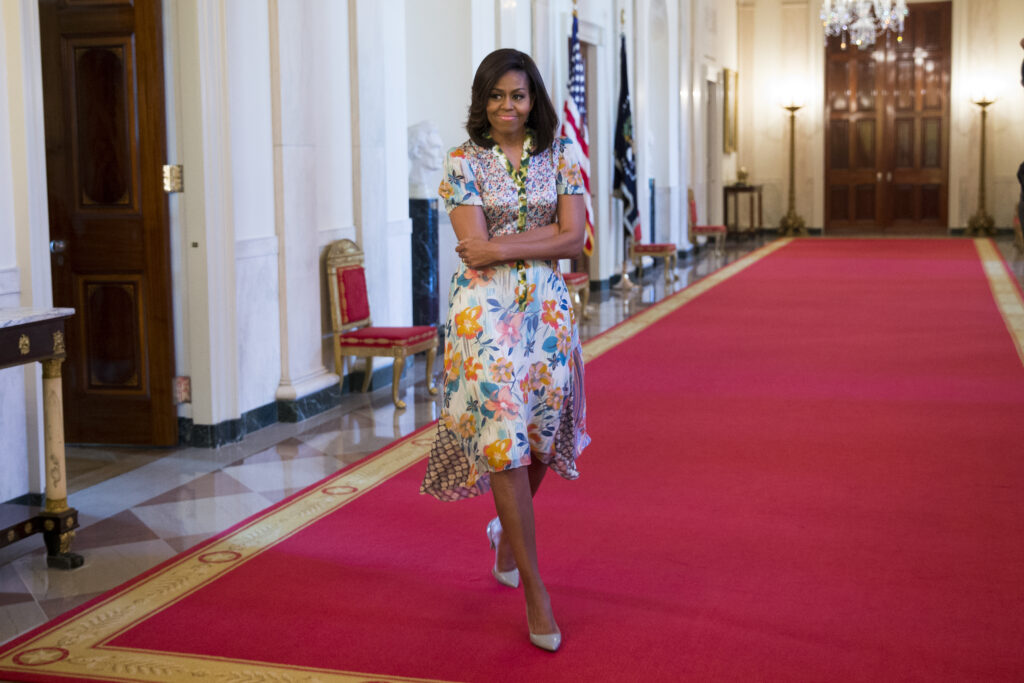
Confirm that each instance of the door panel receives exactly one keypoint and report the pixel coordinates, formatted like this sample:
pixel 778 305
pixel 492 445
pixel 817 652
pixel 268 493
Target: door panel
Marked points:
pixel 100 131
pixel 921 96
pixel 890 105
pixel 105 143
pixel 852 141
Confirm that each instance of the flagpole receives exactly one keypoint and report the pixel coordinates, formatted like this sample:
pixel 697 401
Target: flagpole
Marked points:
pixel 624 284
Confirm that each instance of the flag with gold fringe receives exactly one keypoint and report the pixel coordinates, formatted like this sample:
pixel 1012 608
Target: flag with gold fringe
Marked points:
pixel 574 125
pixel 624 181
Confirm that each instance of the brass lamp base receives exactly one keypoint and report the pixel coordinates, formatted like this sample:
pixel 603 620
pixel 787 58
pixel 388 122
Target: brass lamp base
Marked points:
pixel 791 224
pixel 981 224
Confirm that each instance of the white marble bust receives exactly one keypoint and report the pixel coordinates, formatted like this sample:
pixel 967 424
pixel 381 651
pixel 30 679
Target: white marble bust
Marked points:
pixel 425 150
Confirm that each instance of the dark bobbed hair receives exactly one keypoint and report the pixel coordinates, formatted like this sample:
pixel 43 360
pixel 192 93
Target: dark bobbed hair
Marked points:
pixel 542 119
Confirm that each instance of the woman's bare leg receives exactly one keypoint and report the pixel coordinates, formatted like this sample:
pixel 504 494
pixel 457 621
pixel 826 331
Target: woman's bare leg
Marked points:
pixel 514 502
pixel 506 561
pixel 537 471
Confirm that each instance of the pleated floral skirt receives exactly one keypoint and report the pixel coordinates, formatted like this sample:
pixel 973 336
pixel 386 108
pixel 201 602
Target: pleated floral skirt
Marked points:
pixel 513 379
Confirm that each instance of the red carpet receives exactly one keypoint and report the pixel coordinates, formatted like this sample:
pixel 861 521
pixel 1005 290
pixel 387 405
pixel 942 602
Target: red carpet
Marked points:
pixel 812 471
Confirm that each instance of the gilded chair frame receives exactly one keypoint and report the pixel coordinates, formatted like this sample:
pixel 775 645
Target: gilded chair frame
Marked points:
pixel 342 254
pixel 579 293
pixel 667 251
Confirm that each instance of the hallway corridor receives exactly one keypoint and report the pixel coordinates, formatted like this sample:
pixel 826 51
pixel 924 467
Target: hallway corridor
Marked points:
pixel 140 507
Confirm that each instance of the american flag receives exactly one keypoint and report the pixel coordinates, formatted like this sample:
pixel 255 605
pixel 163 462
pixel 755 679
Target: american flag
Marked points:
pixel 574 125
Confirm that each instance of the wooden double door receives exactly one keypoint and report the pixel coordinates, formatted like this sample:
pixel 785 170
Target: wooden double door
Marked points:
pixel 887 129
pixel 103 101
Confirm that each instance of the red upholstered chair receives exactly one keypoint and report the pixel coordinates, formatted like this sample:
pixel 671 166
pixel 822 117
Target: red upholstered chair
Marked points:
pixel 665 250
pixel 578 284
pixel 355 335
pixel 717 231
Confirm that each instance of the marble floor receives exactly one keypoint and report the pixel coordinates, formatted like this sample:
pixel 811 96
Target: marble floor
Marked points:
pixel 140 507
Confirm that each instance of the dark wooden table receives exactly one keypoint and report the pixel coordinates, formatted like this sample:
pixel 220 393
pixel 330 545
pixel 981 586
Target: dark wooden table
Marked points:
pixel 30 335
pixel 733 192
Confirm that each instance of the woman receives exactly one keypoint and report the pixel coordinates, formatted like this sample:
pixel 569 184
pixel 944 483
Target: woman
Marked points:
pixel 513 401
pixel 1020 175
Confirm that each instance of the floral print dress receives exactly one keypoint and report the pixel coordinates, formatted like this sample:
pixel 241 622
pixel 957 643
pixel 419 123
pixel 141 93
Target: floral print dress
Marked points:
pixel 513 367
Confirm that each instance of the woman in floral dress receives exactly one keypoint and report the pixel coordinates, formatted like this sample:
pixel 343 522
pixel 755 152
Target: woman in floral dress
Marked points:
pixel 513 401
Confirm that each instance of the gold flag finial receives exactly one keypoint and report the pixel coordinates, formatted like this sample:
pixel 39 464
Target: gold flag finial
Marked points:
pixel 622 16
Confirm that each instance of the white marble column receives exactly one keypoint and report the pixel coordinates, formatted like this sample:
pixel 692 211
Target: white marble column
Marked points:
pixel 252 173
pixel 298 55
pixel 206 211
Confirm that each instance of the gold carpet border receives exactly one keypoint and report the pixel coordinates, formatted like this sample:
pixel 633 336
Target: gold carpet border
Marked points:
pixel 79 646
pixel 1004 291
pixel 75 648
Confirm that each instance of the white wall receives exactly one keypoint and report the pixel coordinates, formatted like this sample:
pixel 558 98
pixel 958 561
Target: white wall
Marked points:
pixel 24 234
pixel 439 71
pixel 712 48
pixel 986 56
pixel 13 445
pixel 655 145
pixel 440 74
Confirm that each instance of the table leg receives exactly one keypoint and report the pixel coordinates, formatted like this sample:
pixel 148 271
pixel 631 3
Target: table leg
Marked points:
pixel 735 215
pixel 759 204
pixel 753 230
pixel 60 520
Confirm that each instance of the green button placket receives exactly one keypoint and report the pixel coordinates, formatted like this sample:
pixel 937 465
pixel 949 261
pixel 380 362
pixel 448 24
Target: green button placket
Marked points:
pixel 519 179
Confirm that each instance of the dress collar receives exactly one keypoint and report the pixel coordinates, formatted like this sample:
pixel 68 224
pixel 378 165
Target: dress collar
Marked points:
pixel 500 153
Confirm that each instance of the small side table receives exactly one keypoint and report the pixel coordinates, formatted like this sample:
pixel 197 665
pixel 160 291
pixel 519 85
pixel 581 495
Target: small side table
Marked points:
pixel 28 335
pixel 732 219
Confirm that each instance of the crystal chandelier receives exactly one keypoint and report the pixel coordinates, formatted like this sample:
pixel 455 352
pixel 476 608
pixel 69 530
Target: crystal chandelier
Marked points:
pixel 862 20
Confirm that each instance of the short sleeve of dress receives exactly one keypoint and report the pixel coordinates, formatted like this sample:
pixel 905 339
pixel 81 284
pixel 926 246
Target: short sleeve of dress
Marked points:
pixel 568 177
pixel 458 183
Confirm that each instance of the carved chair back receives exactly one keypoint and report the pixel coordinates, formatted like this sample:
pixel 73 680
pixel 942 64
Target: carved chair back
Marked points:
pixel 346 279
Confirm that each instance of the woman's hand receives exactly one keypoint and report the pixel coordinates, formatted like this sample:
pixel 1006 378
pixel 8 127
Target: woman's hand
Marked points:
pixel 478 253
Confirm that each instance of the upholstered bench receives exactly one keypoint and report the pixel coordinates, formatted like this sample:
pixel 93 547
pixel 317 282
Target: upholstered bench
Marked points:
pixel 663 250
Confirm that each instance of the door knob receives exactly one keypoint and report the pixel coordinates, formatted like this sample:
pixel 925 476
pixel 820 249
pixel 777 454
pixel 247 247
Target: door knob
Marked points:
pixel 58 246
pixel 888 177
pixel 878 177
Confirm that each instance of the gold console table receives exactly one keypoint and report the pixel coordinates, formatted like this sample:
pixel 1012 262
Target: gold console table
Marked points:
pixel 30 335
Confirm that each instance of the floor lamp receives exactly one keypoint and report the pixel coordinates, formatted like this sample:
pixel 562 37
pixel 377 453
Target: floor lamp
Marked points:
pixel 982 223
pixel 792 223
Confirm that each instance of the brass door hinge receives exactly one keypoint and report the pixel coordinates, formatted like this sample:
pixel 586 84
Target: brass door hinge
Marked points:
pixel 172 178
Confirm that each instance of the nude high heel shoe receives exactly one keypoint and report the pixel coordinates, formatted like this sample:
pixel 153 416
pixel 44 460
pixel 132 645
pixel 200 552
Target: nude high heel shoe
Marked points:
pixel 548 641
pixel 511 577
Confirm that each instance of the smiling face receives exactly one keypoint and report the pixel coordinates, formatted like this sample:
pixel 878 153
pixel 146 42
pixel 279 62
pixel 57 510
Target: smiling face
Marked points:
pixel 509 104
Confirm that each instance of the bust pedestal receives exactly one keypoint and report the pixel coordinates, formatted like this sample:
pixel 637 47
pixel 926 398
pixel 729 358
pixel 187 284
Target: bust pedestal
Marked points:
pixel 425 290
